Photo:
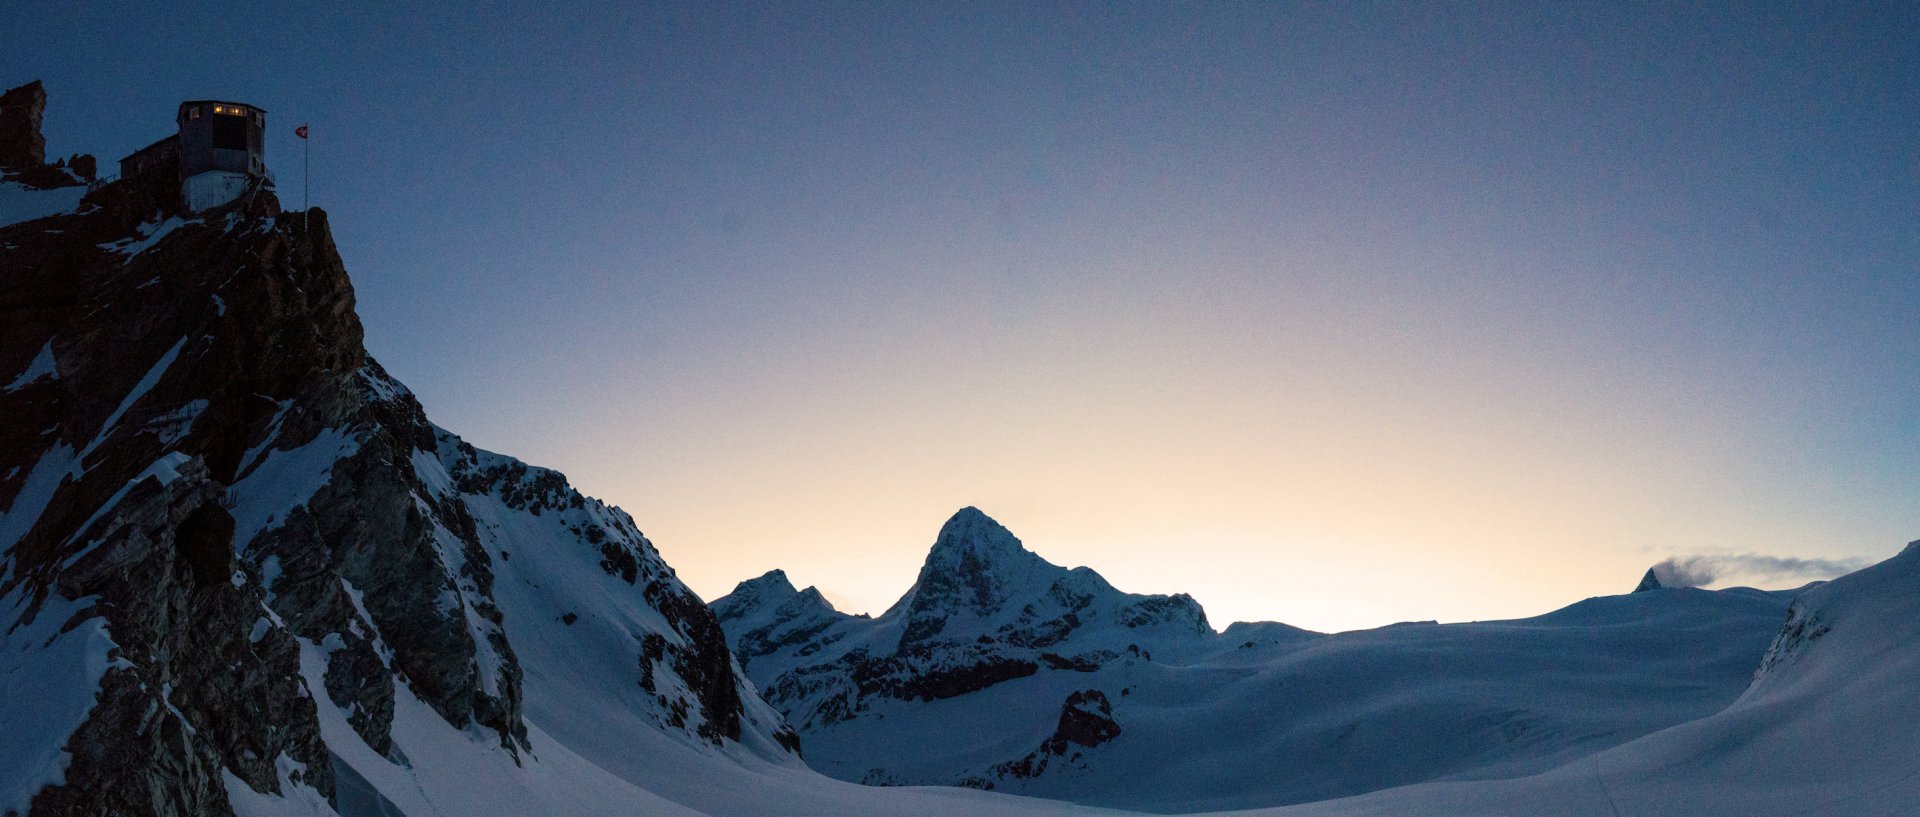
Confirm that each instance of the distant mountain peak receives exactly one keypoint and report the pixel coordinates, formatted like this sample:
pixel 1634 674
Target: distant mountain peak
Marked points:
pixel 972 541
pixel 770 583
pixel 971 531
pixel 1651 581
pixel 973 548
pixel 770 599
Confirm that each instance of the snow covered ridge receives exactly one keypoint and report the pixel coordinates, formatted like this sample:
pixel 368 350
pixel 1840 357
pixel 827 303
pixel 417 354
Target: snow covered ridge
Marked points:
pixel 1001 670
pixel 1828 727
pixel 280 587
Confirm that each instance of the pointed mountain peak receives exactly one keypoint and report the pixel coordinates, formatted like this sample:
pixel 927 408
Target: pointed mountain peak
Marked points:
pixel 773 581
pixel 1651 581
pixel 768 591
pixel 972 533
pixel 812 597
pixel 974 566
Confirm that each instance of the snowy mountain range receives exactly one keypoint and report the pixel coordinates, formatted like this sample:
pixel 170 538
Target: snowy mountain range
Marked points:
pixel 1001 670
pixel 241 572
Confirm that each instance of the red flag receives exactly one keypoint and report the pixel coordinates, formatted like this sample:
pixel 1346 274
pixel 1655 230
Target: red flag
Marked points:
pixel 300 131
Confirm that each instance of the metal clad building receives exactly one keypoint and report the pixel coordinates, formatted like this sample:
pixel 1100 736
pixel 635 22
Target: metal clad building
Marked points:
pixel 222 150
pixel 228 137
pixel 219 151
pixel 163 155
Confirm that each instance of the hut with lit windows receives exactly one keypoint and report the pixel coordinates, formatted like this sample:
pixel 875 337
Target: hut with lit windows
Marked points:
pixel 217 153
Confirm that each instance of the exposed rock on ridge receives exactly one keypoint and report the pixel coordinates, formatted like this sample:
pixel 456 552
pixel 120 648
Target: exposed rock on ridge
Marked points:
pixel 200 450
pixel 23 150
pixel 21 109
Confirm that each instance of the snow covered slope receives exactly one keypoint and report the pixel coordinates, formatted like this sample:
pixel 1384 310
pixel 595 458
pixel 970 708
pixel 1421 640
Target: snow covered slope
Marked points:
pixel 1829 727
pixel 1000 670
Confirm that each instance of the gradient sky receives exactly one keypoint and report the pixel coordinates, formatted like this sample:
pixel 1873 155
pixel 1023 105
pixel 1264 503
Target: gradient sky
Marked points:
pixel 1336 314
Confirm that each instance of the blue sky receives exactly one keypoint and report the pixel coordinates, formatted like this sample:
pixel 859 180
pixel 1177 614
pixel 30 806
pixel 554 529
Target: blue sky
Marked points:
pixel 1414 310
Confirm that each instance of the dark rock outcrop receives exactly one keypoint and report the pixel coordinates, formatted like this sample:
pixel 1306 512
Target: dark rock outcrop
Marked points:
pixel 1086 721
pixel 23 149
pixel 21 145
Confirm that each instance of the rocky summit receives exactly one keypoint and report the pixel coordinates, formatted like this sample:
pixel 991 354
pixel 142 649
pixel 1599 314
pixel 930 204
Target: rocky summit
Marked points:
pixel 240 562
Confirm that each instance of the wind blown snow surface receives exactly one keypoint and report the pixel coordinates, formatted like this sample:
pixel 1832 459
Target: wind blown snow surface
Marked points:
pixel 1830 726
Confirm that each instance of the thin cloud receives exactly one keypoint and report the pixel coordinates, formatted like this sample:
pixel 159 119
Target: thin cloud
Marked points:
pixel 1697 571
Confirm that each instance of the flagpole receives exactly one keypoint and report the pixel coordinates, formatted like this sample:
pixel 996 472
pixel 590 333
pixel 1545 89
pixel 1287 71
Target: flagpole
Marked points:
pixel 306 166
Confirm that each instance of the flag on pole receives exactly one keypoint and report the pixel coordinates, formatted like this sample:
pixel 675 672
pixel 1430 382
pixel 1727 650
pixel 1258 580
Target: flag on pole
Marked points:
pixel 306 165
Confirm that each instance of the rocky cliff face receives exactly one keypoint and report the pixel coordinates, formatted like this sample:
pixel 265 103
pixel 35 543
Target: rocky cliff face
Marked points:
pixel 245 528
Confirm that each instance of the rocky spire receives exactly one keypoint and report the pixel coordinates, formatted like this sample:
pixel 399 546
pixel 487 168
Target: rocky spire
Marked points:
pixel 23 150
pixel 21 145
pixel 1651 581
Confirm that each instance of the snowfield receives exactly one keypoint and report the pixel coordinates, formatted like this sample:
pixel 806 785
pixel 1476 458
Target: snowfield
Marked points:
pixel 1830 726
pixel 1187 719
